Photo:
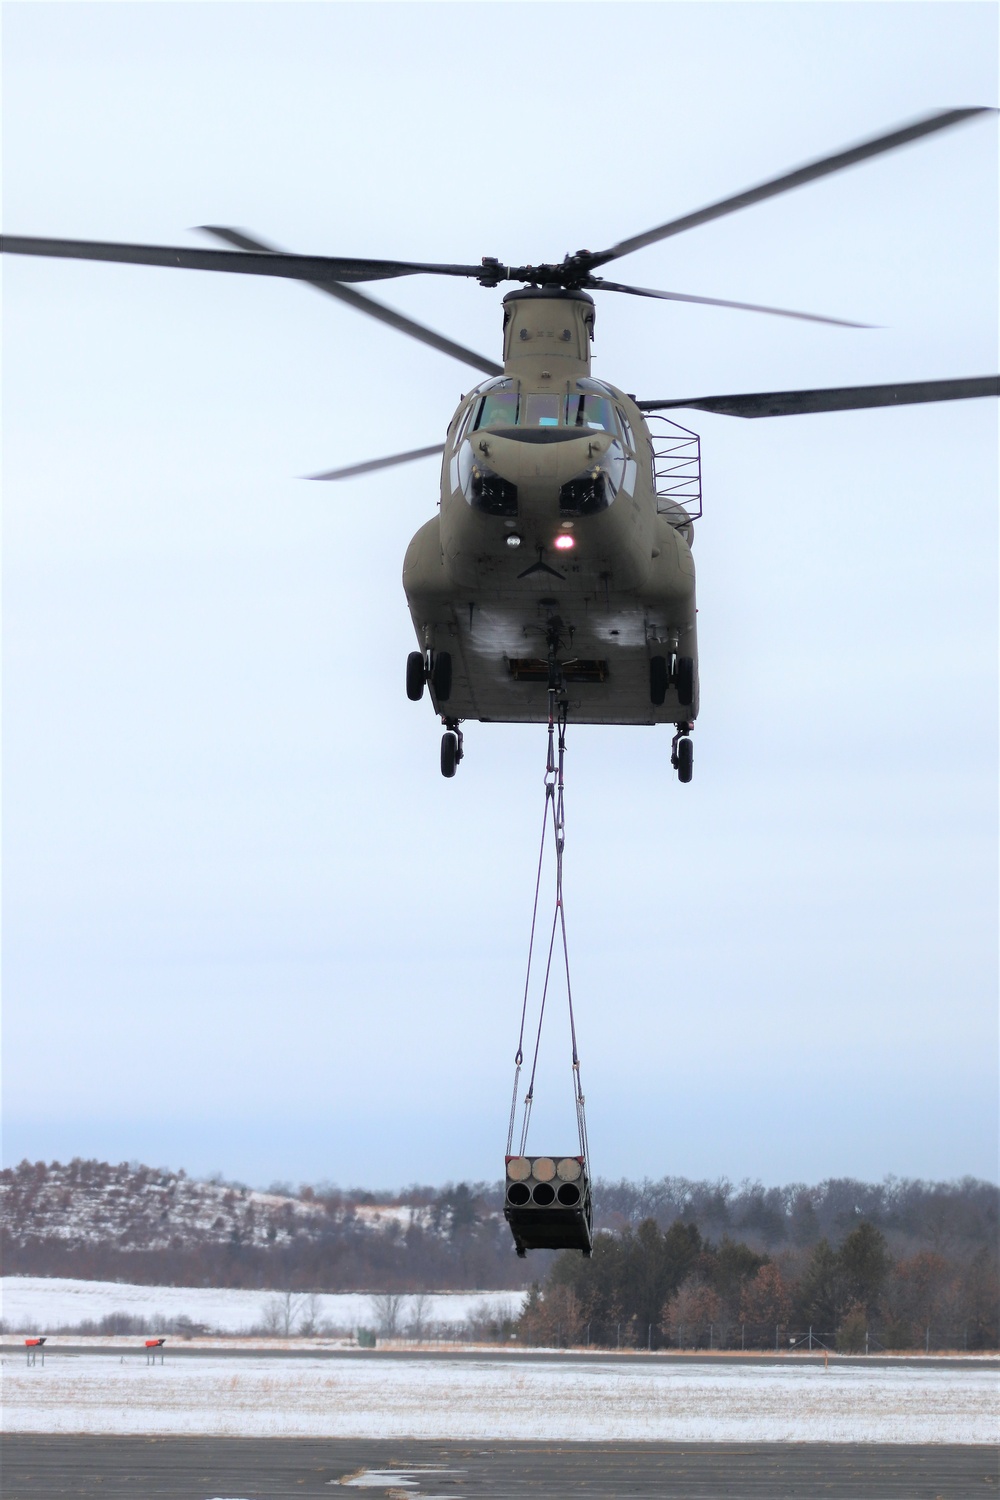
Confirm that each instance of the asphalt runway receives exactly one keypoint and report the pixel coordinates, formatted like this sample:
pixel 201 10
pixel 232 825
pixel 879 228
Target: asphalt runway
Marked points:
pixel 457 1355
pixel 42 1467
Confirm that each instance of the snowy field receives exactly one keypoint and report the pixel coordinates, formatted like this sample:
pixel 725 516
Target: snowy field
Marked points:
pixel 487 1399
pixel 479 1398
pixel 36 1304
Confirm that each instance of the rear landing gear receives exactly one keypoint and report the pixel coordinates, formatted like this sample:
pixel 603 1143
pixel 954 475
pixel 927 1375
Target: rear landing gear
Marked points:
pixel 451 748
pixel 682 753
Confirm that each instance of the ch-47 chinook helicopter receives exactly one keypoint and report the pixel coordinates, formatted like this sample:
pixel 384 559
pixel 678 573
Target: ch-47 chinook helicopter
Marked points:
pixel 559 566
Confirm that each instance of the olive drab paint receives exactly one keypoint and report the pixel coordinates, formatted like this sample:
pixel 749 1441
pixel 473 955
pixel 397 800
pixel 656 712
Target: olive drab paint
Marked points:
pixel 516 558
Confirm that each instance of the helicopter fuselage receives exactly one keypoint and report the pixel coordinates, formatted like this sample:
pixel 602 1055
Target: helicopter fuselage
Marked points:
pixel 551 545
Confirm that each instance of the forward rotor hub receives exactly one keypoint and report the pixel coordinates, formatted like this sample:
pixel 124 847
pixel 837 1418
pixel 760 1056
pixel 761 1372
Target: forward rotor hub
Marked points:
pixel 571 274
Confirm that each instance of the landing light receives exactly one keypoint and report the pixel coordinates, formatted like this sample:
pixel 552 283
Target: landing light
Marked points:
pixel 564 542
pixel 513 540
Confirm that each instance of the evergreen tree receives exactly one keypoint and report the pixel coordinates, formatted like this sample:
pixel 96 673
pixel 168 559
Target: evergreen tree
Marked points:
pixel 629 1279
pixel 980 1303
pixel 820 1295
pixel 864 1262
pixel 728 1269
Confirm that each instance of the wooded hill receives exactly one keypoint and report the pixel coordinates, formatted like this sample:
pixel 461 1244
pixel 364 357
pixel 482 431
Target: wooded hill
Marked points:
pixel 133 1223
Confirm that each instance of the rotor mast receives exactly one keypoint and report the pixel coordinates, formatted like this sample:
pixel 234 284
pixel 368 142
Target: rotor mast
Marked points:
pixel 547 332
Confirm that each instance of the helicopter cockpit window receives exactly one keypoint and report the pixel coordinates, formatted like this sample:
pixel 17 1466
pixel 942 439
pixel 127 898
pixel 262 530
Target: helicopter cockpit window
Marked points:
pixel 626 431
pixel 595 413
pixel 582 410
pixel 498 409
pixel 462 424
pixel 542 411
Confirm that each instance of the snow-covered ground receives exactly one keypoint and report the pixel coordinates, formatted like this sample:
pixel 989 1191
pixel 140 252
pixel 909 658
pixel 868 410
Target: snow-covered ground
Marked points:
pixel 36 1304
pixel 479 1398
pixel 97 1203
pixel 490 1400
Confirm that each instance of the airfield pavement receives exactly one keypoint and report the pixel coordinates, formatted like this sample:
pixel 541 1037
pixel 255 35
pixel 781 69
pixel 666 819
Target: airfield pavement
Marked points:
pixel 193 1468
pixel 254 1425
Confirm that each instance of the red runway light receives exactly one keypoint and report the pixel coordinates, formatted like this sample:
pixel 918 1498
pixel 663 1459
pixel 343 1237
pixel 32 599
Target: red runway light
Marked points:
pixel 564 542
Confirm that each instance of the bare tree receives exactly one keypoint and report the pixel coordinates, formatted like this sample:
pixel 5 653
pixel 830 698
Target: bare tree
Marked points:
pixel 282 1312
pixel 271 1316
pixel 309 1319
pixel 419 1313
pixel 490 1322
pixel 387 1310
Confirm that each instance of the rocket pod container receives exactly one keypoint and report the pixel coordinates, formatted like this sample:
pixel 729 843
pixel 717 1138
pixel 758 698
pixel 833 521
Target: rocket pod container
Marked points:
pixel 547 1203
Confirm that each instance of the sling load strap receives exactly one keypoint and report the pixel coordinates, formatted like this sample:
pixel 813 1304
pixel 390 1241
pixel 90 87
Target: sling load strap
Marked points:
pixel 554 802
pixel 550 771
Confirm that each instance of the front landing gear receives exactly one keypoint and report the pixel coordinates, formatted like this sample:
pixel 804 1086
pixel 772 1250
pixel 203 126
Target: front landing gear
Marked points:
pixel 682 753
pixel 671 672
pixel 451 747
pixel 416 676
pixel 428 666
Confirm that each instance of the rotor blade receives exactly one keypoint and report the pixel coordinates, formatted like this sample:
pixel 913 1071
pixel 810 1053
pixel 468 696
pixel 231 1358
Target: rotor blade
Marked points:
pixel 292 267
pixel 838 398
pixel 926 125
pixel 377 463
pixel 597 284
pixel 365 304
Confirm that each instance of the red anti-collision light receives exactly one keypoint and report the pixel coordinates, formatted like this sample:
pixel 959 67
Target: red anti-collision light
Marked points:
pixel 564 542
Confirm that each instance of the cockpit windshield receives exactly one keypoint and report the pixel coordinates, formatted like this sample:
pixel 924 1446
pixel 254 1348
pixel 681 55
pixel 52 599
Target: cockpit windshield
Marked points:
pixel 580 409
pixel 593 412
pixel 498 409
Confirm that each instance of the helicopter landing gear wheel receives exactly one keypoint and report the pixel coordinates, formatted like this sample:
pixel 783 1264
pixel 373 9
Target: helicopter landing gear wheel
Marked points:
pixel 684 681
pixel 441 676
pixel 449 753
pixel 659 678
pixel 682 753
pixel 451 748
pixel 416 676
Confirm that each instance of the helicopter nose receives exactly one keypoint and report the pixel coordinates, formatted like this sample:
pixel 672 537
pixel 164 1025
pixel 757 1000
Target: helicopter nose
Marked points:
pixel 539 453
pixel 502 455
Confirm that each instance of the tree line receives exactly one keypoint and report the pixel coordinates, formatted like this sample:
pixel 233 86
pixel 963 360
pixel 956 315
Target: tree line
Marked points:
pixel 656 1288
pixel 677 1260
pixel 948 1218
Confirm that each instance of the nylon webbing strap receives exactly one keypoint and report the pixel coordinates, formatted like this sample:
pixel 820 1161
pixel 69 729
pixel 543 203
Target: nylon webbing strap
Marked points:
pixel 554 803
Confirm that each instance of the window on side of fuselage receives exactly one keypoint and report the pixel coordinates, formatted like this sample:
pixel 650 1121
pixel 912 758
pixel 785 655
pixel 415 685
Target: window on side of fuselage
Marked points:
pixel 626 428
pixel 462 424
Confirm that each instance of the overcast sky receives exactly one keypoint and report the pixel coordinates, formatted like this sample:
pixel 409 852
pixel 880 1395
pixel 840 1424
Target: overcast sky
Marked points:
pixel 249 928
